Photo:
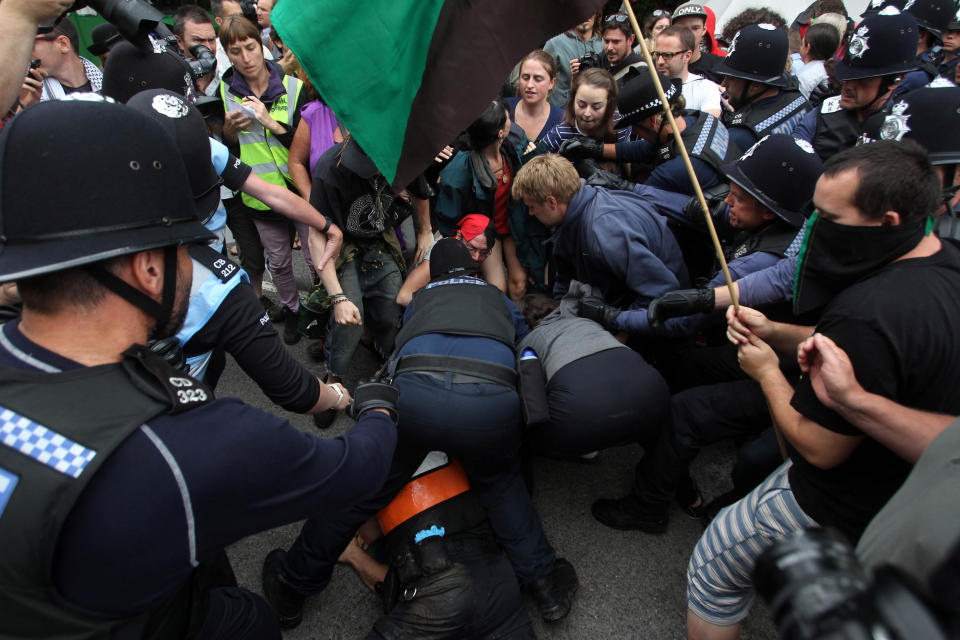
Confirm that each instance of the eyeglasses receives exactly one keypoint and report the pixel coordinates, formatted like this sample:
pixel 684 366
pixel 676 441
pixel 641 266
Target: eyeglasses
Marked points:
pixel 617 18
pixel 482 253
pixel 667 55
pixel 657 13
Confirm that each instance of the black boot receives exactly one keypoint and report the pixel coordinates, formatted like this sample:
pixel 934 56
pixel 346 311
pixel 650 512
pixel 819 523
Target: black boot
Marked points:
pixel 274 311
pixel 291 332
pixel 286 603
pixel 554 592
pixel 630 513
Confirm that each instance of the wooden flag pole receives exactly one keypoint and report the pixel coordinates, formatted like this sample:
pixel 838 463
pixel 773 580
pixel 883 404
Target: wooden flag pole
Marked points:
pixel 683 152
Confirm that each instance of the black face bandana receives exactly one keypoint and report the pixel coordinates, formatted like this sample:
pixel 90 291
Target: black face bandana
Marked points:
pixel 834 256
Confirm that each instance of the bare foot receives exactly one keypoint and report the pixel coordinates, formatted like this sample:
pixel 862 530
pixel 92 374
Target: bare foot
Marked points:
pixel 370 571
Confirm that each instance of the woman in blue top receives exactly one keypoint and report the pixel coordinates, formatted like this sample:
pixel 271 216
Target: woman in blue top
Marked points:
pixel 531 111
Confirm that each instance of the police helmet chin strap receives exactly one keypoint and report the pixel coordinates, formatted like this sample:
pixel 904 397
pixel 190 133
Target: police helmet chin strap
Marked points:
pixel 743 94
pixel 887 82
pixel 160 311
pixel 950 192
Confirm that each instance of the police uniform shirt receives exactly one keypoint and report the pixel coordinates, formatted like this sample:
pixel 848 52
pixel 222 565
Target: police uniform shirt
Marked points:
pixel 133 537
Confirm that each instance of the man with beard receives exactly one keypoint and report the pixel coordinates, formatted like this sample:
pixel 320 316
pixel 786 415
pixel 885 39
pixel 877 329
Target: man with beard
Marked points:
pixel 618 54
pixel 867 246
pixel 131 476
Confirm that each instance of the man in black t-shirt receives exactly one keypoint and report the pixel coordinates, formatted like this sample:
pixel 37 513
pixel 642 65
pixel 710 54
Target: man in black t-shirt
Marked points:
pixel 867 247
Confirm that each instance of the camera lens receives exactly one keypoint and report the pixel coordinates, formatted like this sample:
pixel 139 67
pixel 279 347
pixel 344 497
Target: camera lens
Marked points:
pixel 806 577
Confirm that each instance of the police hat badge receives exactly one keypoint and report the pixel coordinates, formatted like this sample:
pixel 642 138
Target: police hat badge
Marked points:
pixel 895 125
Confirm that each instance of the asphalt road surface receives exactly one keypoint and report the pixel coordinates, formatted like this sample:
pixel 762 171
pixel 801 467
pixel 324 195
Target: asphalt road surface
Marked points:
pixel 632 584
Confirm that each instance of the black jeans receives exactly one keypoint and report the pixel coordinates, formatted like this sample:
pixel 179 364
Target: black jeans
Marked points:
pixel 699 416
pixel 476 598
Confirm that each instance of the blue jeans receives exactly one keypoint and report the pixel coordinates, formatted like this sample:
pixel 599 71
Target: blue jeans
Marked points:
pixel 479 424
pixel 371 280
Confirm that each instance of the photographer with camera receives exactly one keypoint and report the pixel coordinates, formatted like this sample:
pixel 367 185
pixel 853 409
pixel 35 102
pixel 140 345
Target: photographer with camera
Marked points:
pixel 58 68
pixel 866 248
pixel 19 20
pixel 192 26
pixel 618 54
pixel 571 46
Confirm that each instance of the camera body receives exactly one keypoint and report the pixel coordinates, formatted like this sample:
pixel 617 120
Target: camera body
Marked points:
pixel 205 61
pixel 591 60
pixel 817 589
pixel 249 9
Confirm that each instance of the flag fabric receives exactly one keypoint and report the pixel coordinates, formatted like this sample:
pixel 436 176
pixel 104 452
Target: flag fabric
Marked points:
pixel 405 77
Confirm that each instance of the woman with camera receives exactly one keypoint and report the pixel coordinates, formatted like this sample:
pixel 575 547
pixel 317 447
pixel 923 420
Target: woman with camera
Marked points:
pixel 262 108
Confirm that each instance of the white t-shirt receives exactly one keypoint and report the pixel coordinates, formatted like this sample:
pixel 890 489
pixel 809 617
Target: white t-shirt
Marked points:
pixel 810 75
pixel 701 94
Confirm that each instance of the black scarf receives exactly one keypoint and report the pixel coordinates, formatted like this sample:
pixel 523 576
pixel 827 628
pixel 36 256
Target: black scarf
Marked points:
pixel 834 256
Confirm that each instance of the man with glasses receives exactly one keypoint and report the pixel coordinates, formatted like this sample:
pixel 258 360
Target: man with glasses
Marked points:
pixel 61 69
pixel 693 16
pixel 673 50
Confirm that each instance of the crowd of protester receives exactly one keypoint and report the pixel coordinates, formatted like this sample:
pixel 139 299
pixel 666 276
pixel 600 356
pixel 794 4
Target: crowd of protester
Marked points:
pixel 556 294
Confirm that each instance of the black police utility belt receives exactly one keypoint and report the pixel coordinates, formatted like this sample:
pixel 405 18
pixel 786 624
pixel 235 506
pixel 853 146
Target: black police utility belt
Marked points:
pixel 706 139
pixel 780 115
pixel 58 429
pixel 459 307
pixel 837 128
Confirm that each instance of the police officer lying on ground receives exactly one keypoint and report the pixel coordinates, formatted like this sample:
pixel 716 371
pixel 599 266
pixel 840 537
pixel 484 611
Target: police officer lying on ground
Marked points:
pixel 446 577
pixel 456 370
pixel 95 426
pixel 598 392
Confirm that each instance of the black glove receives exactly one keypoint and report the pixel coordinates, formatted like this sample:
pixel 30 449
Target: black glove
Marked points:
pixel 714 196
pixel 170 350
pixel 675 304
pixel 581 148
pixel 374 395
pixel 594 308
pixel 608 180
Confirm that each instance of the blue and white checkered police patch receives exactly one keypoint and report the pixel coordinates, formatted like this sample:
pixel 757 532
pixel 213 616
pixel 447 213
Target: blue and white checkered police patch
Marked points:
pixel 8 482
pixel 43 445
